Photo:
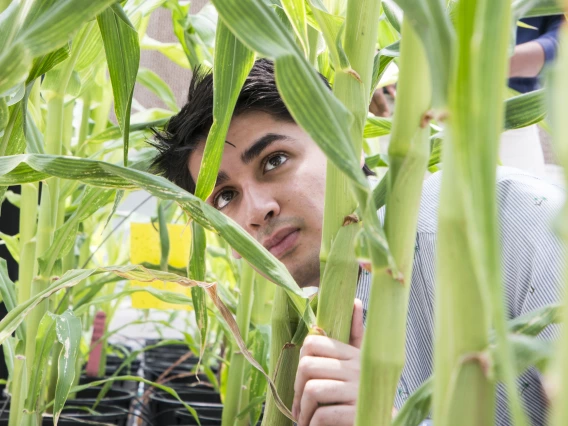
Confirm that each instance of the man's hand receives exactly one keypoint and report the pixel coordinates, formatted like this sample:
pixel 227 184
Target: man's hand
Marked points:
pixel 327 382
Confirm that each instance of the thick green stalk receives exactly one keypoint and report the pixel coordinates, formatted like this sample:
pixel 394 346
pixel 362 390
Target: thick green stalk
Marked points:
pixel 48 214
pixel 353 91
pixel 383 351
pixel 18 392
pixel 28 218
pixel 560 105
pixel 236 379
pixel 284 358
pixel 263 296
pixel 469 295
pixel 84 126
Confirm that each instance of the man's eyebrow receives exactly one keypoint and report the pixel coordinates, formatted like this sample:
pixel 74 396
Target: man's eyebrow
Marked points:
pixel 222 177
pixel 260 145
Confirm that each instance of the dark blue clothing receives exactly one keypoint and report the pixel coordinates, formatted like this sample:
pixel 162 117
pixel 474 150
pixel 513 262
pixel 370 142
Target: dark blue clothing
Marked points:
pixel 546 35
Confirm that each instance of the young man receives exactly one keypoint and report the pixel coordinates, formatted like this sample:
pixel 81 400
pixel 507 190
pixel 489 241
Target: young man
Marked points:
pixel 272 182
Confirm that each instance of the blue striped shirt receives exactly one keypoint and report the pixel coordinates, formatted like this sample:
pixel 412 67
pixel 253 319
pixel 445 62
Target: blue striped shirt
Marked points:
pixel 533 260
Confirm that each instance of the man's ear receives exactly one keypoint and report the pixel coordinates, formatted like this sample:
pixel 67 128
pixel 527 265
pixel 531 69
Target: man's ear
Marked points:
pixel 235 254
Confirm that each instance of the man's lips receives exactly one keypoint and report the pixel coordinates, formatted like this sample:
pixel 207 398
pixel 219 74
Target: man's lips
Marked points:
pixel 282 241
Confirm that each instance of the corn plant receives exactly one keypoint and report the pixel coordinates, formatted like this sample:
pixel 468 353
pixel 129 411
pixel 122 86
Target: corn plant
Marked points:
pixel 452 61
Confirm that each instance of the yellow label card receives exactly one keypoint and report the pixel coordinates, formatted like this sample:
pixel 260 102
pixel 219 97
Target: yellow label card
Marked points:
pixel 145 250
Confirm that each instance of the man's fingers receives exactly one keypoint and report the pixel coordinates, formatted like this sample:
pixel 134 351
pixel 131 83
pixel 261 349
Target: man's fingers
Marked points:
pixel 310 368
pixel 334 415
pixel 357 327
pixel 322 392
pixel 327 348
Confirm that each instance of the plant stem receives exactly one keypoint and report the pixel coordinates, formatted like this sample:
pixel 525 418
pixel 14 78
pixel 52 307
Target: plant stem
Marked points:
pixel 19 390
pixel 359 45
pixel 47 220
pixel 383 351
pixel 284 357
pixel 236 379
pixel 469 292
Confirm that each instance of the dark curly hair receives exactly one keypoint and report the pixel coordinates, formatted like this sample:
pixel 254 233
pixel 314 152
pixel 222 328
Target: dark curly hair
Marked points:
pixel 185 130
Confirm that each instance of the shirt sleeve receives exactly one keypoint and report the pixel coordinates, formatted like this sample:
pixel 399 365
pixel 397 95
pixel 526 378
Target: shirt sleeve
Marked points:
pixel 549 38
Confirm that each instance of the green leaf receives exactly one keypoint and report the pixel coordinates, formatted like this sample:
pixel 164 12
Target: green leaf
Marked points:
pixel 164 236
pixel 12 243
pixel 44 63
pixel 432 24
pixel 114 132
pixel 533 8
pixel 33 167
pixel 50 23
pixel 330 26
pixel 308 99
pixel 526 109
pixel 534 322
pixel 260 338
pixel 15 317
pixel 123 56
pixel 45 340
pixel 159 87
pixel 68 331
pixel 391 16
pixel 380 65
pixel 296 12
pixel 173 51
pixel 13 140
pixel 392 50
pixel 117 199
pixel 197 272
pixel 417 407
pixel 34 137
pixel 529 351
pixel 91 200
pixel 377 126
pixel 232 66
pixel 8 292
pixel 14 65
pixel 377 160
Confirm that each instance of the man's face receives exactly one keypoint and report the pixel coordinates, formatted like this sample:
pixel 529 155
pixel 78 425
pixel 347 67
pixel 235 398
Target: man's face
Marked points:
pixel 272 183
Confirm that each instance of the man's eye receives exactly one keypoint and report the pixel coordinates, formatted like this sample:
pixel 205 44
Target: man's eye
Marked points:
pixel 223 198
pixel 275 161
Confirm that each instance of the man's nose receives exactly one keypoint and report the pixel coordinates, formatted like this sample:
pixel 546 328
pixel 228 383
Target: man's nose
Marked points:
pixel 261 206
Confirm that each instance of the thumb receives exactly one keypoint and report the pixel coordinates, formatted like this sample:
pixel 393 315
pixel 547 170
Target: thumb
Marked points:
pixel 357 328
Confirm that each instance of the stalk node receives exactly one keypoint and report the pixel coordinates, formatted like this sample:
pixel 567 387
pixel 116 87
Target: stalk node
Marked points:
pixel 354 74
pixel 483 359
pixel 397 277
pixel 318 331
pixel 426 118
pixel 349 219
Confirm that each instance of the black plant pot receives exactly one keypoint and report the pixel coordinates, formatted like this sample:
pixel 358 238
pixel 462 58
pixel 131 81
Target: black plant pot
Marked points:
pixel 75 416
pixel 115 397
pixel 183 417
pixel 164 409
